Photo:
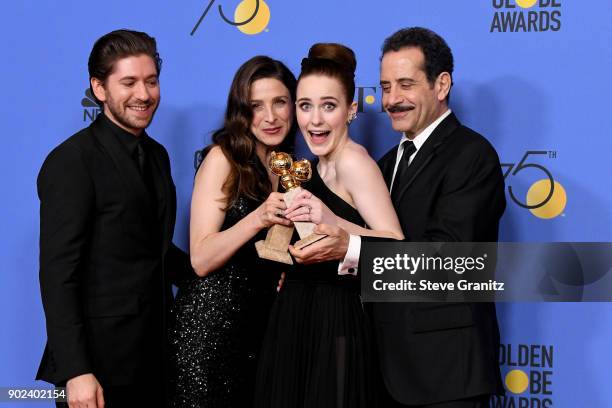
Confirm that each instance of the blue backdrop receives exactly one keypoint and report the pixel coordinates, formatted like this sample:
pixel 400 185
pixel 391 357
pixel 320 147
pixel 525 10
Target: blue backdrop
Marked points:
pixel 531 75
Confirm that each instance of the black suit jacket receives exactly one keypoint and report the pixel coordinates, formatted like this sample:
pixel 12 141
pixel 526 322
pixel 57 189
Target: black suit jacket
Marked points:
pixel 453 192
pixel 106 259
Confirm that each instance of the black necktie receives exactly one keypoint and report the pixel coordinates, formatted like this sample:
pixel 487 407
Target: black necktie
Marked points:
pixel 402 167
pixel 144 168
pixel 140 154
pixel 146 172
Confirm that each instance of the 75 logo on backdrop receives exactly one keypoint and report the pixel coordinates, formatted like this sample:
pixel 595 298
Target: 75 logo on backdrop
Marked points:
pixel 250 16
pixel 545 198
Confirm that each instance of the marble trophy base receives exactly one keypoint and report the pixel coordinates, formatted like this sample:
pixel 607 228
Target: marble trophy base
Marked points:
pixel 310 239
pixel 275 245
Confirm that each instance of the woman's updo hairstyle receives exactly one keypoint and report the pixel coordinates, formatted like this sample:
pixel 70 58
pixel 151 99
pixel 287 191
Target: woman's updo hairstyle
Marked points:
pixel 333 60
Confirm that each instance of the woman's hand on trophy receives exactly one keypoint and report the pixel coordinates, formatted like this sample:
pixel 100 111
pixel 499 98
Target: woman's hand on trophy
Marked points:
pixel 308 208
pixel 270 212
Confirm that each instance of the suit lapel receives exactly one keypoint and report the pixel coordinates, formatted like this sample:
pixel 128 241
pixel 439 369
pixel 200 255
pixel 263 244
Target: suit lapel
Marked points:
pixel 123 162
pixel 427 153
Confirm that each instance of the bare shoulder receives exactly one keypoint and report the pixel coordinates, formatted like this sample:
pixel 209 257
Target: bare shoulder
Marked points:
pixel 215 164
pixel 355 162
pixel 216 156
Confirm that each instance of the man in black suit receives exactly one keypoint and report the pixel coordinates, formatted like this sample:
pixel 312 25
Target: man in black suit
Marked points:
pixel 107 213
pixel 447 186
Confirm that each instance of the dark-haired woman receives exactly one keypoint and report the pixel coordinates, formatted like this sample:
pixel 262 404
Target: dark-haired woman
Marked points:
pixel 219 319
pixel 317 351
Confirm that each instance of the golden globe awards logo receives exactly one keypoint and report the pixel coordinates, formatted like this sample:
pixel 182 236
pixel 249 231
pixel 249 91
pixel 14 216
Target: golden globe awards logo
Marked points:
pixel 250 16
pixel 528 376
pixel 526 16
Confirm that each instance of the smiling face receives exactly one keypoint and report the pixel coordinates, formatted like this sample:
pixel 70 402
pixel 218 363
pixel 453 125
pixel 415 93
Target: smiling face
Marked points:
pixel 130 93
pixel 323 113
pixel 272 112
pixel 411 101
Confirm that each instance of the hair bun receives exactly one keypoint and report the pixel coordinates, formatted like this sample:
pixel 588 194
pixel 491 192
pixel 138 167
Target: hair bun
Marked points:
pixel 338 53
pixel 332 60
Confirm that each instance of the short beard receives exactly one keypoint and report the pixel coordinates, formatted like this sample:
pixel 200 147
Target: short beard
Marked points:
pixel 124 122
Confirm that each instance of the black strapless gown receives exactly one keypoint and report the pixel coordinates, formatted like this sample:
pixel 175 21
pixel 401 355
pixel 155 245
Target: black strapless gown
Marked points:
pixel 317 351
pixel 217 326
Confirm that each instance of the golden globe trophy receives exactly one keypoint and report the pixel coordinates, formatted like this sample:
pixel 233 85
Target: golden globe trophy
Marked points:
pixel 277 241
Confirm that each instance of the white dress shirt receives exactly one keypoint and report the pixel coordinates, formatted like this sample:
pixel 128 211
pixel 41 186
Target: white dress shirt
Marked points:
pixel 351 260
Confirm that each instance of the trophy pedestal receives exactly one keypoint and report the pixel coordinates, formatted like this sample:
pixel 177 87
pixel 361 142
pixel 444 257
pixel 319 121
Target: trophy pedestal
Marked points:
pixel 275 245
pixel 310 239
pixel 303 228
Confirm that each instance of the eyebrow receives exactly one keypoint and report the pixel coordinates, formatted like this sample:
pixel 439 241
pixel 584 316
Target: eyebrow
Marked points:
pixel 323 98
pixel 133 78
pixel 400 80
pixel 274 98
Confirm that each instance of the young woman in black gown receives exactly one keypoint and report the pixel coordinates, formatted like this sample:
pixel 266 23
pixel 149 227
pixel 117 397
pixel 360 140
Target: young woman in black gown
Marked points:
pixel 317 351
pixel 219 319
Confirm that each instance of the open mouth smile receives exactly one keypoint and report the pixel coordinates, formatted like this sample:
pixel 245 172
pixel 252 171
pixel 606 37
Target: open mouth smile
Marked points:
pixel 140 110
pixel 318 136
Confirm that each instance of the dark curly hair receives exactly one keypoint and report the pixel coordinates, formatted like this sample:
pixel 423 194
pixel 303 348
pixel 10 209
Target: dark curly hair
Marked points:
pixel 117 45
pixel 248 177
pixel 438 55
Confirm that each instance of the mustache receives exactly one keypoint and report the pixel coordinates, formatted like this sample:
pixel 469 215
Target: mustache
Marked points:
pixel 139 101
pixel 399 108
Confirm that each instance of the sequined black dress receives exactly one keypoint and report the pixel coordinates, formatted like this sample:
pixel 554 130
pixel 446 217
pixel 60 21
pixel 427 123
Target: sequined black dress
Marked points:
pixel 217 326
pixel 317 351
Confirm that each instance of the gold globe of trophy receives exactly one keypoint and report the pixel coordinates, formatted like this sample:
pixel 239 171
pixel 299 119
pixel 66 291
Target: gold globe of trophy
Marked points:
pixel 277 241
